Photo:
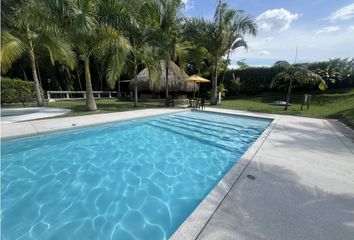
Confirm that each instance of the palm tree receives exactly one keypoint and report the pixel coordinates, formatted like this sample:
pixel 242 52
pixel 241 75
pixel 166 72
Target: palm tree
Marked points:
pixel 221 36
pixel 238 24
pixel 90 35
pixel 33 31
pixel 291 74
pixel 197 54
pixel 139 22
pixel 171 48
pixel 229 27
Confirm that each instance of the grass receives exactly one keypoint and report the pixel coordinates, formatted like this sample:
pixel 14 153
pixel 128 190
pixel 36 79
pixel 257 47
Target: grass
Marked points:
pixel 337 103
pixel 103 105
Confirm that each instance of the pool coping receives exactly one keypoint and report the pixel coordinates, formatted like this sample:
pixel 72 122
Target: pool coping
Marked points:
pixel 199 218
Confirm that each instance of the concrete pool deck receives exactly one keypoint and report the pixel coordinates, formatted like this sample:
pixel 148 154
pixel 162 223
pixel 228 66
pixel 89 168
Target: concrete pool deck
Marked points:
pixel 9 115
pixel 303 186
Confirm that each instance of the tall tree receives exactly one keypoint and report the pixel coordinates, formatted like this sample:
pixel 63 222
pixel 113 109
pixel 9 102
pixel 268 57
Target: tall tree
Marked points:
pixel 170 44
pixel 221 36
pixel 33 30
pixel 139 23
pixel 290 75
pixel 230 26
pixel 90 35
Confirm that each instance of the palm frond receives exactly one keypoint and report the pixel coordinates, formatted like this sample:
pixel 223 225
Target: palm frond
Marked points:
pixel 119 14
pixel 116 62
pixel 244 24
pixel 239 42
pixel 282 64
pixel 12 49
pixel 107 37
pixel 148 59
pixel 59 49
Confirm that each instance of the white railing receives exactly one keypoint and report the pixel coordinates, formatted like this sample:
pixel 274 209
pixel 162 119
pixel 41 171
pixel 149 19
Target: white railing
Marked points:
pixel 70 94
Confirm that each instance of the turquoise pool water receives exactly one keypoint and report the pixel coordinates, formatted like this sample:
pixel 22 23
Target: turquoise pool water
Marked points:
pixel 131 180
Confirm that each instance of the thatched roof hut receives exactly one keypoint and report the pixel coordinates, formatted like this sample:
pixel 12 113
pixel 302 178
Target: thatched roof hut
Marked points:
pixel 175 75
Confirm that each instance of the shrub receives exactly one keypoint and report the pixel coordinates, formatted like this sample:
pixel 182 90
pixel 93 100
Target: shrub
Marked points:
pixel 16 90
pixel 236 86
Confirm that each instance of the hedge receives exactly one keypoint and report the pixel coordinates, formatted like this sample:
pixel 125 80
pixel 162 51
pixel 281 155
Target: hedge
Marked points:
pixel 256 80
pixel 253 80
pixel 16 90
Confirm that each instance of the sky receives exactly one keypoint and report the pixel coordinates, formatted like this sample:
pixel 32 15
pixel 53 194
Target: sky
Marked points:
pixel 319 29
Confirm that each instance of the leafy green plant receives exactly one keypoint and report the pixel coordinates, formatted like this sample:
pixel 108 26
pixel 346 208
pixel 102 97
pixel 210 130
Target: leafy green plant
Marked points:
pixel 16 90
pixel 236 86
pixel 222 89
pixel 290 75
pixel 221 36
pixel 33 29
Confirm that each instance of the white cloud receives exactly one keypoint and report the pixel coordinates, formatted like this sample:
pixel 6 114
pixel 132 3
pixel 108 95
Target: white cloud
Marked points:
pixel 259 43
pixel 189 4
pixel 264 52
pixel 312 47
pixel 344 13
pixel 328 29
pixel 276 19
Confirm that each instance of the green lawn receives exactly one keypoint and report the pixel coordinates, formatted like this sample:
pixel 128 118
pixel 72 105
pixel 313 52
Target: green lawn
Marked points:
pixel 331 104
pixel 103 105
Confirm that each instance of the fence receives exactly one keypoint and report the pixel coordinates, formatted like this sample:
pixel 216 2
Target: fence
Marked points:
pixel 78 94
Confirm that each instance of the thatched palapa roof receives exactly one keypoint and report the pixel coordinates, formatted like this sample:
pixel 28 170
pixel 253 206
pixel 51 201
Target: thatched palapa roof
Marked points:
pixel 175 75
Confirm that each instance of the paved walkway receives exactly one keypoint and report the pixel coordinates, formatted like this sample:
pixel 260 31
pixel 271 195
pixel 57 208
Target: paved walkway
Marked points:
pixel 9 115
pixel 303 186
pixel 34 127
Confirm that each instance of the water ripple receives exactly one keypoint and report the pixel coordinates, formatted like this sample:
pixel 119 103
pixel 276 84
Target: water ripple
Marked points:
pixel 132 180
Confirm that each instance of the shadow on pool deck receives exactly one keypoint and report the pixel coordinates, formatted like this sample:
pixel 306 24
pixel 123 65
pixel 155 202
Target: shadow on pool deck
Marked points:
pixel 304 188
pixel 276 206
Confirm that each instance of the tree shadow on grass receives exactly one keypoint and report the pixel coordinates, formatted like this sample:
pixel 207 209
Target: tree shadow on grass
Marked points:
pixel 345 116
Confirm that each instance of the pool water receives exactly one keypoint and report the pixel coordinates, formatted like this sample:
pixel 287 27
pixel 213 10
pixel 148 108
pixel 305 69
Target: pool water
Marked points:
pixel 130 180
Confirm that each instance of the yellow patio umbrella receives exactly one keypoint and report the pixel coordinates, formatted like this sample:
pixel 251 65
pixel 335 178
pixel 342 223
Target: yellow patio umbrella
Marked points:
pixel 195 79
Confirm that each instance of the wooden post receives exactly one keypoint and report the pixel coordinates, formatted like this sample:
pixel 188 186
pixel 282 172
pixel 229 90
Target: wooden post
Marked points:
pixel 48 95
pixel 307 101
pixel 109 94
pixel 67 95
pixel 99 95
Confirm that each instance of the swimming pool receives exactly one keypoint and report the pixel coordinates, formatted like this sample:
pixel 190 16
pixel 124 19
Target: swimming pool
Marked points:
pixel 130 180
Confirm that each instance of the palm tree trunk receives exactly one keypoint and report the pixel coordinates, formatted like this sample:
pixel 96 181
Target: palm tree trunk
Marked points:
pixel 227 60
pixel 214 93
pixel 288 94
pixel 34 72
pixel 119 93
pixel 39 79
pixel 78 78
pixel 135 85
pixel 90 100
pixel 166 83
